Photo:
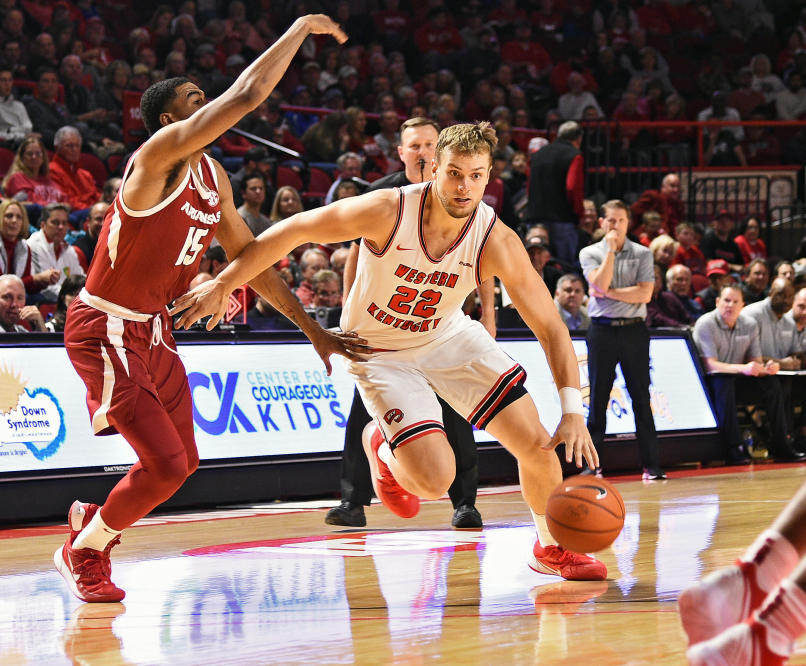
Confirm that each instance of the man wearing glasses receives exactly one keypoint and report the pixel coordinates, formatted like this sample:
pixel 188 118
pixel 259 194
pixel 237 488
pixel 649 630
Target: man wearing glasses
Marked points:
pixel 50 250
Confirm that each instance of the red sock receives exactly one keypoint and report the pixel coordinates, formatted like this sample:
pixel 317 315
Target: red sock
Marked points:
pixel 784 615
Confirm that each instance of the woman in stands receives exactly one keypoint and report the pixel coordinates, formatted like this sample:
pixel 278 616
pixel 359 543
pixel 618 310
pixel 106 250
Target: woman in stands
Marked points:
pixel 15 255
pixel 28 179
pixel 751 246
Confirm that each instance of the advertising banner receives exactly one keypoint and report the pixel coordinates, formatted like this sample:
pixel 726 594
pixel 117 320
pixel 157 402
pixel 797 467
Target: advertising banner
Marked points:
pixel 275 399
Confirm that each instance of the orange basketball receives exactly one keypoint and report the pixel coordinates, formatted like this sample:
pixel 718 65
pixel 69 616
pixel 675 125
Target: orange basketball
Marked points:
pixel 585 514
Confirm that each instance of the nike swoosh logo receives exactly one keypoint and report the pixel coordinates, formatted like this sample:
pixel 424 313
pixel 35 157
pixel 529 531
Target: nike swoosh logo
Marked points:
pixel 602 492
pixel 403 248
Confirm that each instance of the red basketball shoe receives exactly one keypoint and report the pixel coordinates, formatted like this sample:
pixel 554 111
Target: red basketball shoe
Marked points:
pixel 720 600
pixel 398 500
pixel 558 561
pixel 86 571
pixel 743 644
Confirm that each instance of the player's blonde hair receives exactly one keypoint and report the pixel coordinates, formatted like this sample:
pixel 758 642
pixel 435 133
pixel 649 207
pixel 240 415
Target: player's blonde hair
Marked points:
pixel 467 139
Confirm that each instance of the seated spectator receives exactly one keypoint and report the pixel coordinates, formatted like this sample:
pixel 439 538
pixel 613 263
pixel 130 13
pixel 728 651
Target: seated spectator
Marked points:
pixel 651 227
pixel 664 309
pixel 674 110
pixel 110 189
pixel 264 317
pixel 311 262
pixel 719 110
pixel 28 179
pixel 15 254
pixel 750 245
pixel 327 139
pixel 49 249
pixel 745 99
pixel 348 166
pixel 764 81
pixel 78 184
pixel 784 269
pixel 569 297
pixel 527 57
pixel 253 195
pixel 629 111
pixel 756 278
pixel 95 122
pixel 663 248
pixel 777 335
pixel 345 189
pixel 46 113
pixel 688 252
pixel 665 201
pixel 540 255
pixel 256 159
pixel 718 244
pixel 15 124
pixel 678 282
pixel 287 202
pixel 13 309
pixel 761 147
pixel 388 139
pixel 729 344
pixel 85 244
pixel 372 157
pixel 577 99
pixel 790 103
pixel 213 261
pixel 326 289
pixel 718 273
pixel 71 286
pixel 338 260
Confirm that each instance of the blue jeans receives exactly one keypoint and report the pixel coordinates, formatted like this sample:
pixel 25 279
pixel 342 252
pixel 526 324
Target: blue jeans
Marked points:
pixel 564 241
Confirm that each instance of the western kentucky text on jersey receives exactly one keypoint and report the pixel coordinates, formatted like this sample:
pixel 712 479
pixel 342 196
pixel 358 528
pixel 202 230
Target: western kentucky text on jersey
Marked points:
pixel 439 278
pixel 403 324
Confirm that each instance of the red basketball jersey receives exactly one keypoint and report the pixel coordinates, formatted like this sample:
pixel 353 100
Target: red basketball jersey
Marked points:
pixel 145 259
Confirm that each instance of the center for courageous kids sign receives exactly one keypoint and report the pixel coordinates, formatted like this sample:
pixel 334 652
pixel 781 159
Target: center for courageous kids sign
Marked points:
pixel 256 400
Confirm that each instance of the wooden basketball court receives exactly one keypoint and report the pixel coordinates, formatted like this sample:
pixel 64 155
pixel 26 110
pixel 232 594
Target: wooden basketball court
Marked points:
pixel 274 585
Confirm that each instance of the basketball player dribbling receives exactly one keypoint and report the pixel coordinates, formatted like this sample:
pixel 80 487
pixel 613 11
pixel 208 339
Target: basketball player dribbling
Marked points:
pixel 425 247
pixel 172 201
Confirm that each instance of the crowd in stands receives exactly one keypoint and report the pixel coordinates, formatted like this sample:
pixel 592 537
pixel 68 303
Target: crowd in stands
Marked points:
pixel 68 70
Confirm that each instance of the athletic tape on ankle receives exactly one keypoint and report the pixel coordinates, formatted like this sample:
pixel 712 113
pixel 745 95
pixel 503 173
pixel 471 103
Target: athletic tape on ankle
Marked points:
pixel 571 401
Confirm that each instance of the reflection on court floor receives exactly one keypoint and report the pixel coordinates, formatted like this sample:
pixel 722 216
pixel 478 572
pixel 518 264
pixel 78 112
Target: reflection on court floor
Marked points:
pixel 387 596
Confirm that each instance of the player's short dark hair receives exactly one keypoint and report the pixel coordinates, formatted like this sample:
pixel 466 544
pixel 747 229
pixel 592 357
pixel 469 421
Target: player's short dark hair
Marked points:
pixel 155 100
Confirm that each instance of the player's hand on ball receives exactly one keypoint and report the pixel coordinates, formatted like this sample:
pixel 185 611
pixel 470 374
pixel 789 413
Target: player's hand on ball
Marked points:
pixel 578 445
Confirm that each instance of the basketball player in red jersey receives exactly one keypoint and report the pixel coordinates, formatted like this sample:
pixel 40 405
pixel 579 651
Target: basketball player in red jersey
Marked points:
pixel 424 248
pixel 172 201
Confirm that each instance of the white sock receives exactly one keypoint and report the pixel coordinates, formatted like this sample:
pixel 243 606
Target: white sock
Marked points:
pixel 96 535
pixel 385 453
pixel 784 614
pixel 543 534
pixel 774 557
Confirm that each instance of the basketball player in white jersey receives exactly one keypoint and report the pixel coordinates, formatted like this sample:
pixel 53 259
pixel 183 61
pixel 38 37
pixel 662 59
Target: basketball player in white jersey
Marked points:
pixel 425 247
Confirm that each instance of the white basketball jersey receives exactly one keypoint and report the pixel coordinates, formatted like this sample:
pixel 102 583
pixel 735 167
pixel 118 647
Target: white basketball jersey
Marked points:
pixel 403 296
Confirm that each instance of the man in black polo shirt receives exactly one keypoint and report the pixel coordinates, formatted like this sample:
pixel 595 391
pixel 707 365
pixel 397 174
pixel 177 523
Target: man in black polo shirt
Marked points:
pixel 621 278
pixel 719 244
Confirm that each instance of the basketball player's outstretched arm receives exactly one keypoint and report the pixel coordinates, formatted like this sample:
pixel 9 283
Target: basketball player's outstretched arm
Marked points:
pixel 180 139
pixel 505 257
pixel 234 235
pixel 370 215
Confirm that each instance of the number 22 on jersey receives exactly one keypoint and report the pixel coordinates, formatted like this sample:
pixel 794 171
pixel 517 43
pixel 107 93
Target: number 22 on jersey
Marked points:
pixel 192 246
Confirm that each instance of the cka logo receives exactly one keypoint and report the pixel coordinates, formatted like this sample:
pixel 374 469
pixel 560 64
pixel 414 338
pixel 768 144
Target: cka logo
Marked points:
pixel 229 413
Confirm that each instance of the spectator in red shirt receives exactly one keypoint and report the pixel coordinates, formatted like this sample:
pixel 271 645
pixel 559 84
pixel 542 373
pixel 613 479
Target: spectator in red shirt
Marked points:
pixel 689 254
pixel 629 111
pixel 76 183
pixel 744 98
pixel 750 245
pixel 392 25
pixel 28 179
pixel 437 39
pixel 526 55
pixel 665 201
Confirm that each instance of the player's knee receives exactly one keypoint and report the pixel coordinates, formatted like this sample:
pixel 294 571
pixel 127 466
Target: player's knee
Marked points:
pixel 435 485
pixel 172 471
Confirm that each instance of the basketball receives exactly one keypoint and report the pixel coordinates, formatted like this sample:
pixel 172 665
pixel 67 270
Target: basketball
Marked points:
pixel 585 514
